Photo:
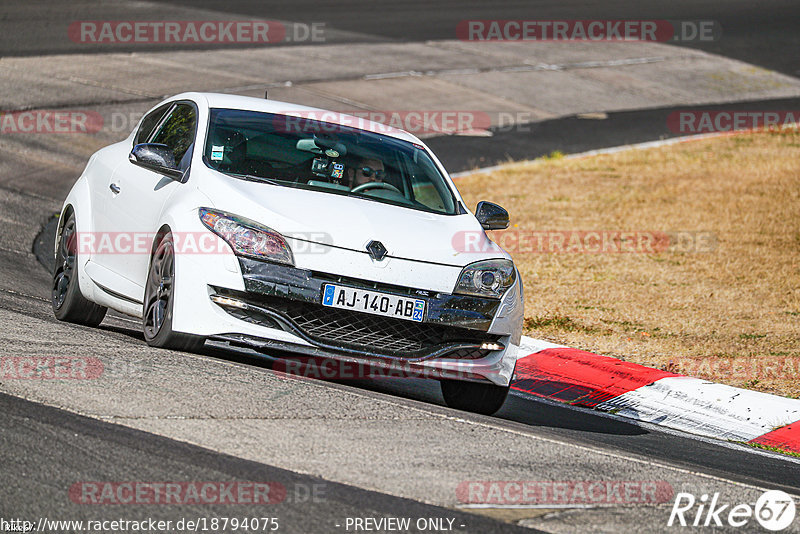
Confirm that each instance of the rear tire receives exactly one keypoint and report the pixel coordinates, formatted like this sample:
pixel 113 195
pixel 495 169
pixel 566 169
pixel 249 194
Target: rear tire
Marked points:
pixel 475 397
pixel 159 302
pixel 69 304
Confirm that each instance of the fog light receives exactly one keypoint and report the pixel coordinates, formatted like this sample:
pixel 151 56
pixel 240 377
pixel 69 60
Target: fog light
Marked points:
pixel 492 346
pixel 229 302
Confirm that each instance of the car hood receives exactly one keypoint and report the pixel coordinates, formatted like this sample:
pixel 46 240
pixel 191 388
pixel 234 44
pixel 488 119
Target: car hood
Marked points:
pixel 352 223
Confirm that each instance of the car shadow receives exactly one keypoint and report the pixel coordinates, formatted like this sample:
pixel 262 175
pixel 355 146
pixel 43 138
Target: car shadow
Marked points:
pixel 520 407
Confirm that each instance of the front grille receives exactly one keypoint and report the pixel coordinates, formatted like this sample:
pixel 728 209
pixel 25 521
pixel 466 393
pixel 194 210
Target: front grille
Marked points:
pixel 381 335
pixel 259 318
pixel 468 354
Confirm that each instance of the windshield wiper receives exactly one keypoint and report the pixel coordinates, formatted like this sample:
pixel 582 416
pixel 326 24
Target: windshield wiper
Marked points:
pixel 261 179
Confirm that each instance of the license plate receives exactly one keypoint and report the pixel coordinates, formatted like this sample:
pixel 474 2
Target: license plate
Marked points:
pixel 374 302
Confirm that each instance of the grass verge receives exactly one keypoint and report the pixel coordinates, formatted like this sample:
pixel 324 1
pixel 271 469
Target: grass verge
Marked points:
pixel 719 299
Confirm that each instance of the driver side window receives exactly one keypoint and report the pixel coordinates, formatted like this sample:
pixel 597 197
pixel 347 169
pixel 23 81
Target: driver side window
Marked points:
pixel 178 133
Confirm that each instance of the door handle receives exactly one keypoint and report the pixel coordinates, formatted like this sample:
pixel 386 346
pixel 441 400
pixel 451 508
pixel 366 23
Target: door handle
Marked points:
pixel 114 188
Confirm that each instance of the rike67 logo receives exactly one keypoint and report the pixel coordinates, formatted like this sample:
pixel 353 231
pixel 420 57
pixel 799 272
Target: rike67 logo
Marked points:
pixel 774 510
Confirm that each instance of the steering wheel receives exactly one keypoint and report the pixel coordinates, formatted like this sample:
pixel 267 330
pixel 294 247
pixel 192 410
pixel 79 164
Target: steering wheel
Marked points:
pixel 374 185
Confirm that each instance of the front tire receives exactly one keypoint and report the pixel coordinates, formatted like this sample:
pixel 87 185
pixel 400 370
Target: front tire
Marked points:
pixel 69 304
pixel 159 302
pixel 475 397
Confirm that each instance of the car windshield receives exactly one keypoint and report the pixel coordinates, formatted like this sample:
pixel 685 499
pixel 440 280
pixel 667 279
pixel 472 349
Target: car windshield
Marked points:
pixel 309 154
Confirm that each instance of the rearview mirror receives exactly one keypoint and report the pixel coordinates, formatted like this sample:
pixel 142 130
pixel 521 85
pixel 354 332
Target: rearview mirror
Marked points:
pixel 328 142
pixel 491 216
pixel 157 158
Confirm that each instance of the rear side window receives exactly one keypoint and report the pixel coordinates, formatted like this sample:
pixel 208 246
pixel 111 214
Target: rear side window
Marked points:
pixel 149 123
pixel 178 132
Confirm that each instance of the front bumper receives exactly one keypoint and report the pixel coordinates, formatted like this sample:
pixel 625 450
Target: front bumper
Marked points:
pixel 461 337
pixel 291 297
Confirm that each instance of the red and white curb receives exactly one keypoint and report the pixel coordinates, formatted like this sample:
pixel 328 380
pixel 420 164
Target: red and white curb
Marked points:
pixel 658 397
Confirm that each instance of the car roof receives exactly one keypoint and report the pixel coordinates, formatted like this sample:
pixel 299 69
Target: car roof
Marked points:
pixel 248 103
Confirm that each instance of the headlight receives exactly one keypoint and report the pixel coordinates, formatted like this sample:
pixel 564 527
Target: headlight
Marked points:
pixel 248 238
pixel 488 278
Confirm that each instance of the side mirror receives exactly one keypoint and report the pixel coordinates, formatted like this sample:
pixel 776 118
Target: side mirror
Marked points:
pixel 157 158
pixel 491 216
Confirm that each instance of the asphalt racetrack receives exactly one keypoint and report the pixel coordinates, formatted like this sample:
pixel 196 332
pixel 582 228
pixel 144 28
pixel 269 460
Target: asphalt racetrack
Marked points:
pixel 369 448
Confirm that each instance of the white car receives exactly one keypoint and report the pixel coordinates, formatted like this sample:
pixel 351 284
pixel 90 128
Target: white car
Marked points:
pixel 282 227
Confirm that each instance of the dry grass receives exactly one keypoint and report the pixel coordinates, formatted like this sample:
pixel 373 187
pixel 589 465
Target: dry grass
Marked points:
pixel 731 315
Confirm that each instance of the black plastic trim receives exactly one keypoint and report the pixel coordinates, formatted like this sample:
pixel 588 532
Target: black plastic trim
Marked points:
pixel 272 279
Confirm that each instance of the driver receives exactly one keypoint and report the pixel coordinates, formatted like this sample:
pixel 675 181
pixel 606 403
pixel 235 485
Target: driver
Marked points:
pixel 367 170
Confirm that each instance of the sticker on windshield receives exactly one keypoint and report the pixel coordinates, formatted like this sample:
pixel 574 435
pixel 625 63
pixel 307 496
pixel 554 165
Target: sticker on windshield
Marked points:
pixel 338 171
pixel 217 152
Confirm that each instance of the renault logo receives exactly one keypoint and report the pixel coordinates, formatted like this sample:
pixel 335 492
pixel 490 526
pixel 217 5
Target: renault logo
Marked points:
pixel 376 250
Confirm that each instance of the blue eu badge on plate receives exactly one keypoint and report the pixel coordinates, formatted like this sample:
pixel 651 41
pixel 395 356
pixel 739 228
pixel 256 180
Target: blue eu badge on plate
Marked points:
pixel 419 309
pixel 327 297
